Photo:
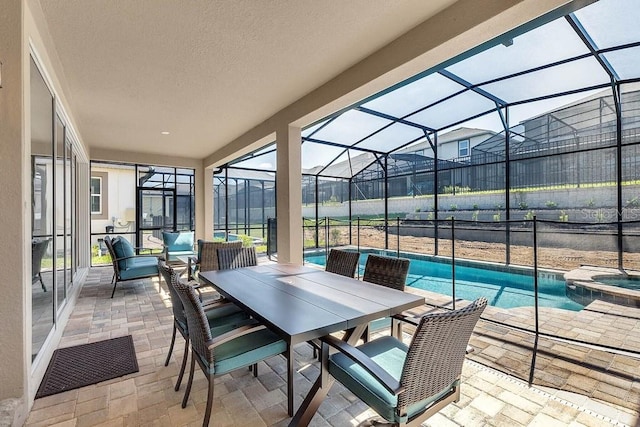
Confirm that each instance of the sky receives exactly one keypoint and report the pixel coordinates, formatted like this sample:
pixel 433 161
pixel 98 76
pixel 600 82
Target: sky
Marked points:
pixel 608 23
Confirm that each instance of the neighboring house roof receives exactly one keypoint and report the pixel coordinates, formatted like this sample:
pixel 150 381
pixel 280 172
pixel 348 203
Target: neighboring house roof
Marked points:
pixel 462 133
pixel 627 87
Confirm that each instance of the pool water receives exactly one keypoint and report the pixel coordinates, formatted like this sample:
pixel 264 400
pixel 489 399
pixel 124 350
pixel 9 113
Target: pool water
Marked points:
pixel 631 283
pixel 506 289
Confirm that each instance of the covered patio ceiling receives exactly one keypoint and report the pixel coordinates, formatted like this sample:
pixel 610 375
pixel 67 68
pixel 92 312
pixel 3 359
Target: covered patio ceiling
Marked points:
pixel 571 59
pixel 207 71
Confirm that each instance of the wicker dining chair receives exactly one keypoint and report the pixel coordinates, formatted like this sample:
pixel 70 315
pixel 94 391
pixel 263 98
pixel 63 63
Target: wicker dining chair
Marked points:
pixel 386 271
pixel 221 312
pixel 229 258
pixel 389 272
pixel 219 353
pixel 407 385
pixel 207 259
pixel 342 262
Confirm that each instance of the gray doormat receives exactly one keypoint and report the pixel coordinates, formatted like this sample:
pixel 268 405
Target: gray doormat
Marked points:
pixel 86 364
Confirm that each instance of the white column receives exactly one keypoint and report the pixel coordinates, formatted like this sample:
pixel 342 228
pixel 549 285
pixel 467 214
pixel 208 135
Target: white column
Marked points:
pixel 289 194
pixel 208 204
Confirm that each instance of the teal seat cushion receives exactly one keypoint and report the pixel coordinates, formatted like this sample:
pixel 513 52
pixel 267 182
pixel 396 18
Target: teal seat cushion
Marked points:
pixel 390 355
pixel 139 267
pixel 173 255
pixel 180 241
pixel 223 319
pixel 246 350
pixel 123 249
pixel 223 311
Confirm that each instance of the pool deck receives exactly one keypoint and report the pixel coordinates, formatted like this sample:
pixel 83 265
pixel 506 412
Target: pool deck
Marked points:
pixel 574 386
pixel 563 366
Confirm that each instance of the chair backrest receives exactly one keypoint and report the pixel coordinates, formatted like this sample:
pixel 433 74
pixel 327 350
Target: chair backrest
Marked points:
pixel 108 242
pixel 170 278
pixel 208 258
pixel 178 240
pixel 437 351
pixel 342 262
pixel 386 271
pixel 121 250
pixel 236 258
pixel 38 248
pixel 199 331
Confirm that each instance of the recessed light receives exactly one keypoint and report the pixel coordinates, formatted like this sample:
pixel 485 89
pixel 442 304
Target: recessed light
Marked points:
pixel 164 133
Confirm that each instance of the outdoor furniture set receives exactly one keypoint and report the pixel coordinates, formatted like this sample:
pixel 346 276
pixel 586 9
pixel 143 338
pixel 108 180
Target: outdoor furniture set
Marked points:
pixel 403 384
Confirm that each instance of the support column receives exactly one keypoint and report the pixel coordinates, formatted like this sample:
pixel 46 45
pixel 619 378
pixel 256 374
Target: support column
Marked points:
pixel 15 193
pixel 289 194
pixel 208 202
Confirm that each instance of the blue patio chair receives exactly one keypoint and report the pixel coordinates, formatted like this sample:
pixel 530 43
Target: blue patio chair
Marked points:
pixel 126 264
pixel 407 385
pixel 219 353
pixel 177 244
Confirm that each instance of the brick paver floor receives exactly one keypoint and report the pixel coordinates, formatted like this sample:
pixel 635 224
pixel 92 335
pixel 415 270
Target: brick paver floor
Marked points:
pixel 147 398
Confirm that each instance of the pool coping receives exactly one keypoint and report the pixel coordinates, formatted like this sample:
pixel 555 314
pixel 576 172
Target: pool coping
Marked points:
pixel 583 286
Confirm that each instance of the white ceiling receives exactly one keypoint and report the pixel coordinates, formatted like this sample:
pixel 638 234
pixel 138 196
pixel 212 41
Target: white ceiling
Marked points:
pixel 208 71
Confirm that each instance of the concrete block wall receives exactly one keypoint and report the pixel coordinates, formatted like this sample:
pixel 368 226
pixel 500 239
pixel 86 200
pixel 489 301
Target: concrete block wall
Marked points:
pixel 564 199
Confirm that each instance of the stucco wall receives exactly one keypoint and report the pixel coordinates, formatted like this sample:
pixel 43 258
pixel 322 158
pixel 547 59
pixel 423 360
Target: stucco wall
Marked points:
pixel 14 193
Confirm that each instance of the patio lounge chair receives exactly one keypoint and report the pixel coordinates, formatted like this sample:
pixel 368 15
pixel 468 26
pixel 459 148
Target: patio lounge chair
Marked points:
pixel 236 258
pixel 126 264
pixel 177 244
pixel 407 385
pixel 38 249
pixel 219 353
pixel 342 262
pixel 221 312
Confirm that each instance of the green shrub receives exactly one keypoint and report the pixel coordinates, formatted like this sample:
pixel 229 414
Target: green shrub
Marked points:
pixel 335 236
pixel 551 204
pixel 634 202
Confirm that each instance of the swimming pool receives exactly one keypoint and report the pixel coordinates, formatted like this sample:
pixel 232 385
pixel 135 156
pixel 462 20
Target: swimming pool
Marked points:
pixel 632 283
pixel 503 287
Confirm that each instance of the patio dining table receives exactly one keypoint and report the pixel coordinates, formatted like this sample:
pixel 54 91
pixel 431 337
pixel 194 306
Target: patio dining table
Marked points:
pixel 302 303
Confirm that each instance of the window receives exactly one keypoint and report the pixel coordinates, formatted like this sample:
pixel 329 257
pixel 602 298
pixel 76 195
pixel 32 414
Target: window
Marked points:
pixel 463 148
pixel 98 195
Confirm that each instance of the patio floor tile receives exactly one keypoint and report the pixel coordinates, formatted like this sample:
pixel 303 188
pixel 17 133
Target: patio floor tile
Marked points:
pixel 489 397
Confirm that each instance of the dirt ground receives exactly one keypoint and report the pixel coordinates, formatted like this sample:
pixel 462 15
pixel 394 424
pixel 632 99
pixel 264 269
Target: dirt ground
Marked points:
pixel 551 258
